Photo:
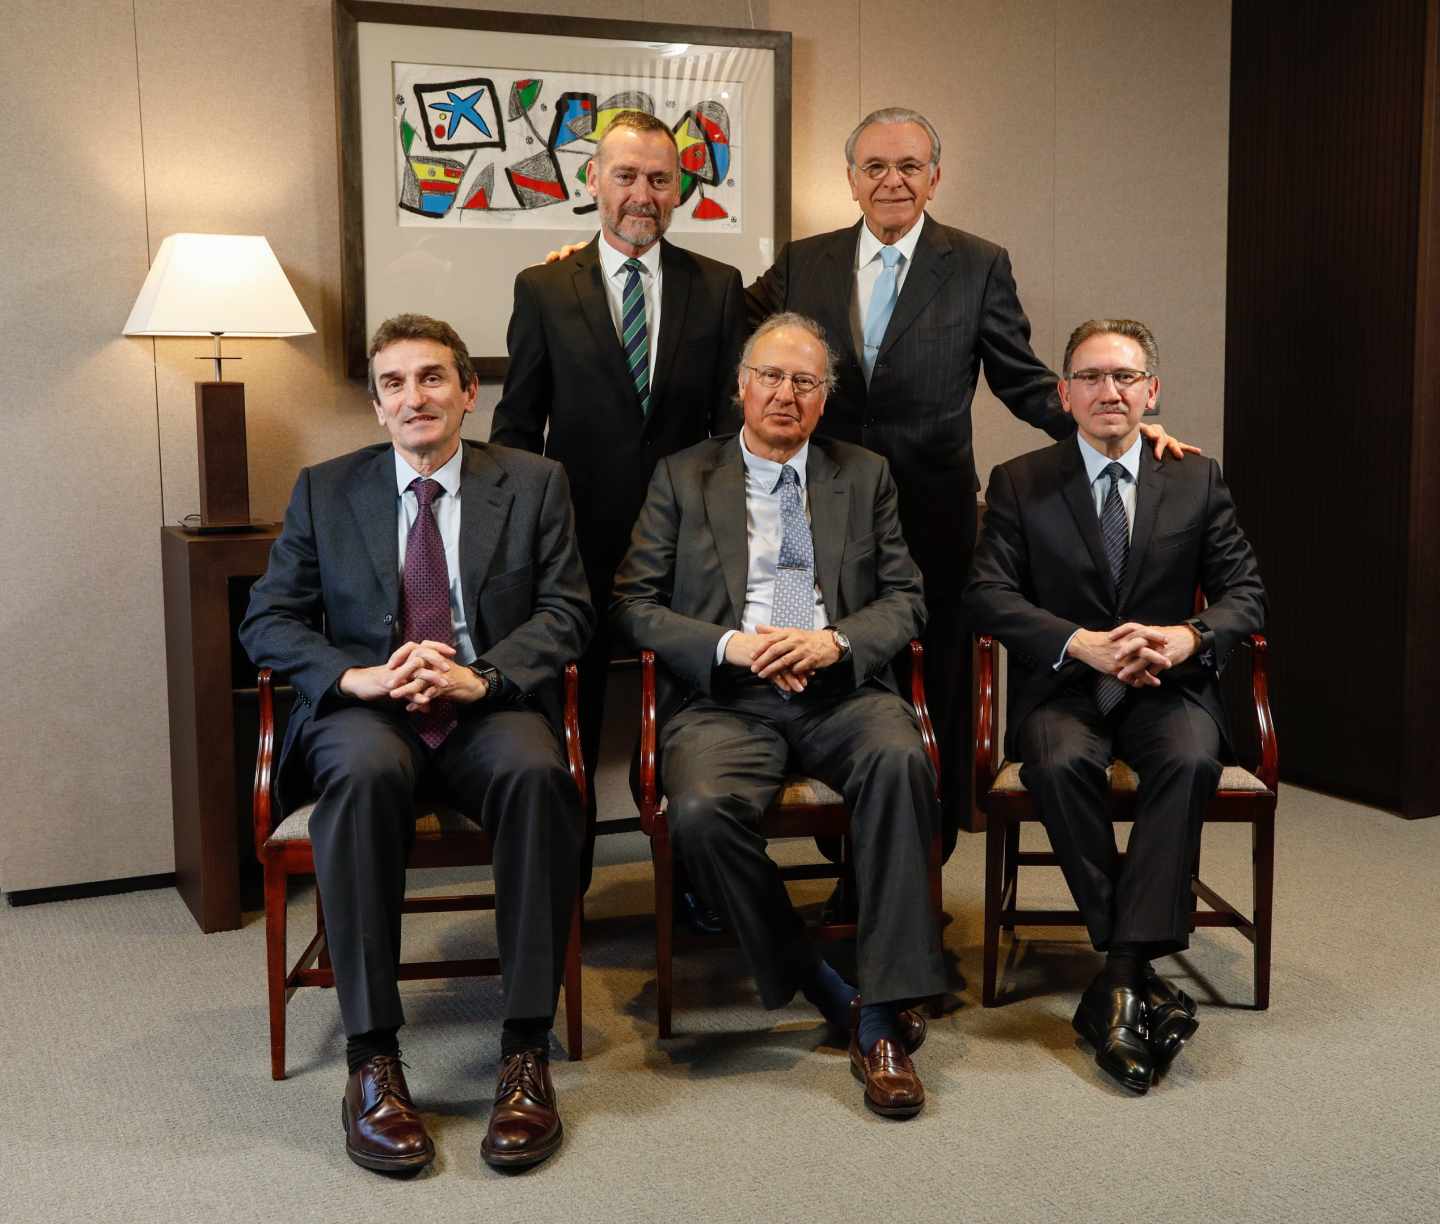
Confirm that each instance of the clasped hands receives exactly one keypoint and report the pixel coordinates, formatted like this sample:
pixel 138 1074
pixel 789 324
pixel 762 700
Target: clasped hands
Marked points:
pixel 785 657
pixel 1134 654
pixel 417 674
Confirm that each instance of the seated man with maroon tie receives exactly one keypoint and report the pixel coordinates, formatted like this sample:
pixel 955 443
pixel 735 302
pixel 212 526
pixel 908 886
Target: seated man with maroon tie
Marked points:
pixel 1087 570
pixel 423 598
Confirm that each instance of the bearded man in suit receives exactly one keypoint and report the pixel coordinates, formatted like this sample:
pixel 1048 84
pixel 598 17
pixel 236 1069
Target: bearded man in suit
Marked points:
pixel 624 353
pixel 1087 571
pixel 768 573
pixel 423 597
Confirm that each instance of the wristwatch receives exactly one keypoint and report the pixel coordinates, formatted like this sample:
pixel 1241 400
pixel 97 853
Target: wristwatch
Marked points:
pixel 1204 642
pixel 842 643
pixel 494 680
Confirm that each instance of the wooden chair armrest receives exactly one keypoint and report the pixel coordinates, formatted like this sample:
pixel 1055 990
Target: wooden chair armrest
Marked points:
pixel 649 784
pixel 1268 769
pixel 986 716
pixel 262 789
pixel 922 708
pixel 573 755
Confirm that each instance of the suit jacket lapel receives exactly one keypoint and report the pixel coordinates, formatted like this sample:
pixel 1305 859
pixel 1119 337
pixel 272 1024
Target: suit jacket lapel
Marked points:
pixel 674 301
pixel 934 265
pixel 484 509
pixel 595 306
pixel 1149 491
pixel 838 273
pixel 1075 485
pixel 724 491
pixel 829 517
pixel 372 500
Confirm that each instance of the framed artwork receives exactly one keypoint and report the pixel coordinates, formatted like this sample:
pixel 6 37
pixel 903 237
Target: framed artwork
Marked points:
pixel 465 135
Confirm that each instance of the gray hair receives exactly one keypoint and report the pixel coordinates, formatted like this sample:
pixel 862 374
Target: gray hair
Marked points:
pixel 894 114
pixel 1129 328
pixel 805 323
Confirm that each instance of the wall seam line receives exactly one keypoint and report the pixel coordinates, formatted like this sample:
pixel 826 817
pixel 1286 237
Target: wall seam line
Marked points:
pixel 149 251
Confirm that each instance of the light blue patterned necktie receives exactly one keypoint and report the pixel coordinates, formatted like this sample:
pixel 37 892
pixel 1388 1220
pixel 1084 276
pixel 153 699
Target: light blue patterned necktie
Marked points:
pixel 882 305
pixel 1115 534
pixel 795 571
pixel 633 333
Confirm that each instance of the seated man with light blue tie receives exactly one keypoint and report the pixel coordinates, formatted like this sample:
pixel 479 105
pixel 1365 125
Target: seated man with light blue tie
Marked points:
pixel 1087 570
pixel 775 631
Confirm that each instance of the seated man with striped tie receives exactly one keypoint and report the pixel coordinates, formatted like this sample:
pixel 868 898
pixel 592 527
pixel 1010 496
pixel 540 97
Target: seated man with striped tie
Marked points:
pixel 1086 570
pixel 768 573
pixel 423 598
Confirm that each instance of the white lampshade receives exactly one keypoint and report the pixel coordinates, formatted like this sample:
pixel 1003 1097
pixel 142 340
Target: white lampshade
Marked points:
pixel 200 284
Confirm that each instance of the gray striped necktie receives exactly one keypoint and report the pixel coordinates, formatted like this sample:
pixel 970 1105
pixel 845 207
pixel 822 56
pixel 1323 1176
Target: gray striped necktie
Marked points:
pixel 1115 534
pixel 633 332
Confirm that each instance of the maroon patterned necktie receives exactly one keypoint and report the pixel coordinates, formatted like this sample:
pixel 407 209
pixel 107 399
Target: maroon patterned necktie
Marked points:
pixel 425 601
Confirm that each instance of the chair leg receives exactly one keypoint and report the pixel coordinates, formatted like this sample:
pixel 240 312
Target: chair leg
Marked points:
pixel 320 929
pixel 664 922
pixel 275 877
pixel 1263 843
pixel 997 831
pixel 1011 877
pixel 573 1013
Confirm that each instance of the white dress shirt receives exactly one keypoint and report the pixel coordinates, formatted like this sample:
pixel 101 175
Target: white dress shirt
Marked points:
pixel 868 266
pixel 1095 465
pixel 763 532
pixel 446 509
pixel 612 264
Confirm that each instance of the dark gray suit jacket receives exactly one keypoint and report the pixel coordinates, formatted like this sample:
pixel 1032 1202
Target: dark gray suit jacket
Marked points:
pixel 957 309
pixel 682 584
pixel 1040 571
pixel 330 598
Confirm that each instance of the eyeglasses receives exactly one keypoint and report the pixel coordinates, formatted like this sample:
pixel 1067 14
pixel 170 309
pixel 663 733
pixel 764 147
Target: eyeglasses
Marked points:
pixel 770 377
pixel 908 169
pixel 1123 379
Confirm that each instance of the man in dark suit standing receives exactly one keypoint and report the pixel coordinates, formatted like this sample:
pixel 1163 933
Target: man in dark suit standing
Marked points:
pixel 914 308
pixel 625 352
pixel 1087 571
pixel 776 631
pixel 423 598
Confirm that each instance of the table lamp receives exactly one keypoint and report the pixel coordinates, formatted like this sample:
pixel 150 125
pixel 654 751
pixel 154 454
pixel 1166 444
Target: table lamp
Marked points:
pixel 218 285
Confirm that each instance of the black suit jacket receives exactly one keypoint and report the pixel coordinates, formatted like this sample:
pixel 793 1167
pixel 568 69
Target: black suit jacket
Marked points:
pixel 682 584
pixel 957 309
pixel 330 597
pixel 1040 571
pixel 567 371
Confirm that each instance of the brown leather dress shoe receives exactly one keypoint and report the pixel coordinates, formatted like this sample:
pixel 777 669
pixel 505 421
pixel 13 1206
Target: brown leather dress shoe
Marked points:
pixel 383 1130
pixel 524 1126
pixel 892 1089
pixel 911 1023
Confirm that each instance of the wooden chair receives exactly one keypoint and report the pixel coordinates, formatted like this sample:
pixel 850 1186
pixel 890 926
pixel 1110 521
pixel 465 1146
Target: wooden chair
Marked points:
pixel 1245 796
pixel 443 838
pixel 805 807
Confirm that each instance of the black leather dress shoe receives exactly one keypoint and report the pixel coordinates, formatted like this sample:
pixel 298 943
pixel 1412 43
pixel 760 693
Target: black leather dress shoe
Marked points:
pixel 911 1024
pixel 383 1130
pixel 1171 1014
pixel 698 916
pixel 1112 1019
pixel 524 1125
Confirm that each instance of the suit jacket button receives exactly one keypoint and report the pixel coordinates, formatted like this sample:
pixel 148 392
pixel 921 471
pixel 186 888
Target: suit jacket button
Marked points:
pixel 389 619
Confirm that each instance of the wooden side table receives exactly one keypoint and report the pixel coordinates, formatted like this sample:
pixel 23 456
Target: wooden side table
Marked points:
pixel 199 648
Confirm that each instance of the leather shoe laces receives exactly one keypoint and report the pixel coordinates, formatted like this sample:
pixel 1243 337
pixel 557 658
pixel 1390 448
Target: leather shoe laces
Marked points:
pixel 522 1074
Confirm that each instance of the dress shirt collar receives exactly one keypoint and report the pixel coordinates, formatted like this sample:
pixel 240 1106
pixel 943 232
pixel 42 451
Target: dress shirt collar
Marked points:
pixel 614 262
pixel 767 472
pixel 448 475
pixel 1096 463
pixel 870 246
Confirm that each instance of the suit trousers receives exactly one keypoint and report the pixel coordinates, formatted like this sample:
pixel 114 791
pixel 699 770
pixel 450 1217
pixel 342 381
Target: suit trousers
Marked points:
pixel 502 768
pixel 723 760
pixel 1173 745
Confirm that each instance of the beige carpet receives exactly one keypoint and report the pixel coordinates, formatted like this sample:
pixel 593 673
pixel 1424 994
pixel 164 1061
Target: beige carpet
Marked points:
pixel 135 1067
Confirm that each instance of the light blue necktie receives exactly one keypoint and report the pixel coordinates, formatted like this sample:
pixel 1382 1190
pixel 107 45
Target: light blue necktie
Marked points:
pixel 795 571
pixel 633 334
pixel 882 305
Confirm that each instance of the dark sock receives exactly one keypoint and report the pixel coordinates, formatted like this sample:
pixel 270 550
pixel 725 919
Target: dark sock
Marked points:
pixel 365 1046
pixel 877 1020
pixel 830 993
pixel 531 1033
pixel 1124 966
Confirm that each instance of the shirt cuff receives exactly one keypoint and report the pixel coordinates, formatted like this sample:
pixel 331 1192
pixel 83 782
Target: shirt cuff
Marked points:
pixel 720 646
pixel 1064 652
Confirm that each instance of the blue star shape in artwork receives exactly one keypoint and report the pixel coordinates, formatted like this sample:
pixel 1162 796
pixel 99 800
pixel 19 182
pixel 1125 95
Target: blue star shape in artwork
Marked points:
pixel 459 108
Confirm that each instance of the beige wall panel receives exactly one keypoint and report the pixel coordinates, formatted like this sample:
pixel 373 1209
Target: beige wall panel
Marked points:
pixel 83 735
pixel 1141 188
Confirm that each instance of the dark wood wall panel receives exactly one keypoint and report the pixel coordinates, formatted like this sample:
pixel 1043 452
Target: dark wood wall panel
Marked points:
pixel 1327 122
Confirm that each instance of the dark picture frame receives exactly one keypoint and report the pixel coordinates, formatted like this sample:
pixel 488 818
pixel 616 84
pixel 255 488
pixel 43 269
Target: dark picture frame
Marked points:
pixel 358 122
